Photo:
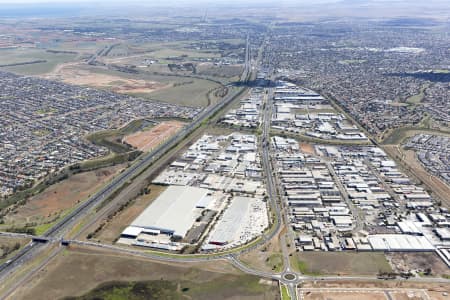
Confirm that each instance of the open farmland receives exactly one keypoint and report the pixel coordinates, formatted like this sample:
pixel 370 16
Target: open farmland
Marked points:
pixel 30 61
pixel 81 270
pixel 148 139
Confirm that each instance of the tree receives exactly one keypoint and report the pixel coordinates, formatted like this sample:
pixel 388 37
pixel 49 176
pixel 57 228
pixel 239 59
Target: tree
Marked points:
pixel 16 246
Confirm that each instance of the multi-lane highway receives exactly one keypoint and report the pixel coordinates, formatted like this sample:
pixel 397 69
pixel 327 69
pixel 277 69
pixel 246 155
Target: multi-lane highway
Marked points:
pixel 57 233
pixel 59 229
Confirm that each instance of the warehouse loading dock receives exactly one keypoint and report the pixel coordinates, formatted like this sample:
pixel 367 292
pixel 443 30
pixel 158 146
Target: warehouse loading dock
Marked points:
pixel 168 218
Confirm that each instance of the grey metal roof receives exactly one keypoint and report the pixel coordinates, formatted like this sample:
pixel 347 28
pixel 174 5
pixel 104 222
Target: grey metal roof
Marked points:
pixel 174 210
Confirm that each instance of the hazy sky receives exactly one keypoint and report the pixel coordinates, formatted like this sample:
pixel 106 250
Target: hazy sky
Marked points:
pixel 147 2
pixel 366 8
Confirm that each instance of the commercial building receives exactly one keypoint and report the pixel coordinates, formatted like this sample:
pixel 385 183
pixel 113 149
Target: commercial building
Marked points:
pixel 243 220
pixel 173 213
pixel 400 242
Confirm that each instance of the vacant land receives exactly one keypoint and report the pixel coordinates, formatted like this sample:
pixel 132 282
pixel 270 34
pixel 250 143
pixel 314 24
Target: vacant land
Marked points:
pixel 371 284
pixel 149 290
pixel 112 139
pixel 60 197
pixel 342 295
pixel 307 148
pixel 372 294
pixel 112 229
pixel 79 75
pixel 147 140
pixel 267 258
pixel 77 271
pixel 9 246
pixel 208 69
pixel 404 262
pixel 405 290
pixel 46 61
pixel 341 263
pixel 185 91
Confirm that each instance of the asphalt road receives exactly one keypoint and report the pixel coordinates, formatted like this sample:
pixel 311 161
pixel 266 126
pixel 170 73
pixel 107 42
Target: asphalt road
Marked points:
pixel 57 232
pixel 30 251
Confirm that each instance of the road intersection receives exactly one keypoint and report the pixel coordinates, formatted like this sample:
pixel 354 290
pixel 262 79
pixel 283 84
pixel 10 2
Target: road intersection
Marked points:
pixel 54 240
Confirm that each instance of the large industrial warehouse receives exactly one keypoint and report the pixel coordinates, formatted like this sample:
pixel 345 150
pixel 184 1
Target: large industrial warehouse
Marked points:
pixel 244 219
pixel 172 213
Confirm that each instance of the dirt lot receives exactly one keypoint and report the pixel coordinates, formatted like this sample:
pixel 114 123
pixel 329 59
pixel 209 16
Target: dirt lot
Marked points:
pixel 398 290
pixel 112 230
pixel 410 295
pixel 77 271
pixel 61 196
pixel 147 140
pixel 371 294
pixel 342 263
pixel 403 262
pixel 73 75
pixel 438 295
pixel 370 284
pixel 376 295
pixel 307 148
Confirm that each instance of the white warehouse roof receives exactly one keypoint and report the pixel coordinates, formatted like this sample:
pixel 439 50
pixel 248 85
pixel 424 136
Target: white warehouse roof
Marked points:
pixel 399 242
pixel 174 211
pixel 235 217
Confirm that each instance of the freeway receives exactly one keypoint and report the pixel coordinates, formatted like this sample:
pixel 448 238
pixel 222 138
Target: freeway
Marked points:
pixel 31 250
pixel 52 238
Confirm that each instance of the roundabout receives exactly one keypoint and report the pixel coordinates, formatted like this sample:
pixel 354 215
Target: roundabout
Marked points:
pixel 290 277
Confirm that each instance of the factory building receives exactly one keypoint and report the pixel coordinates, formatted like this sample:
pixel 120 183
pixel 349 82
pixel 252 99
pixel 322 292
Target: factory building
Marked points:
pixel 173 213
pixel 243 220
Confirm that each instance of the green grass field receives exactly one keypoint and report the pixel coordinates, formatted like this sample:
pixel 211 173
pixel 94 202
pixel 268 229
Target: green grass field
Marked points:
pixel 417 99
pixel 86 274
pixel 284 293
pixel 275 261
pixel 181 90
pixel 332 263
pixel 168 52
pixel 174 289
pixel 398 135
pixel 185 91
pixel 20 55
